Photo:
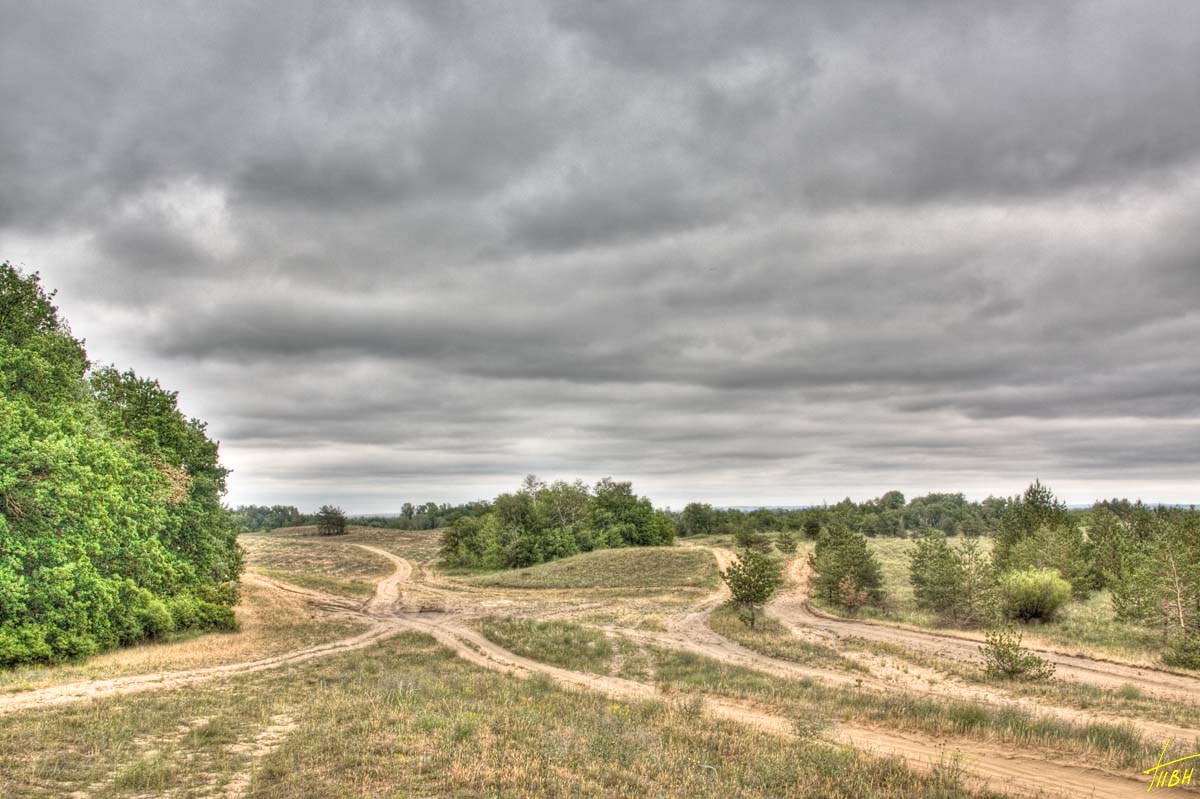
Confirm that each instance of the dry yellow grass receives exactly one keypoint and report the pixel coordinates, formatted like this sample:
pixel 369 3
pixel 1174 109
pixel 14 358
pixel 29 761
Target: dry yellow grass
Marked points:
pixel 408 718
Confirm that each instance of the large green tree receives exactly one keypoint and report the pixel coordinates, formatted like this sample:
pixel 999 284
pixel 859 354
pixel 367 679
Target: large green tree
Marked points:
pixel 111 527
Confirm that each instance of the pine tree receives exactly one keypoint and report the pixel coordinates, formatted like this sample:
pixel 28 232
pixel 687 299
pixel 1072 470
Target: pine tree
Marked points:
pixel 840 553
pixel 752 580
pixel 331 521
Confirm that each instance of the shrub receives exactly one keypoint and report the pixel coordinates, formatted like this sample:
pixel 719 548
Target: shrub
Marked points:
pixel 850 596
pixel 25 644
pixel 1004 658
pixel 749 538
pixel 1183 651
pixel 1033 594
pixel 156 620
pixel 786 542
pixel 190 613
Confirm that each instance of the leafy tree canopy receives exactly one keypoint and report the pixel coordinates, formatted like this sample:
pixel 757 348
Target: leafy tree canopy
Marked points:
pixel 111 527
pixel 543 522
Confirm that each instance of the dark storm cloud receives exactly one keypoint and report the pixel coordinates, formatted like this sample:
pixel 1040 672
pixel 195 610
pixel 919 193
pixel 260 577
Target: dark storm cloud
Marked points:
pixel 743 252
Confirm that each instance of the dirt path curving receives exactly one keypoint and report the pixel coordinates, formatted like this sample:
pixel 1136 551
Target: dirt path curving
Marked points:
pixel 792 607
pixel 92 689
pixel 395 605
pixel 387 591
pixel 996 766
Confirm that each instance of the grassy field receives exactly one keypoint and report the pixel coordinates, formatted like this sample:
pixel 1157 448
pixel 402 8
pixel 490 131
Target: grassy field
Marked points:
pixel 806 699
pixel 408 718
pixel 417 545
pixel 772 639
pixel 571 646
pixel 318 582
pixel 1128 700
pixel 639 569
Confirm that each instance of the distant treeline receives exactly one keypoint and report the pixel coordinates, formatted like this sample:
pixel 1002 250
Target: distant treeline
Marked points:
pixel 888 515
pixel 430 516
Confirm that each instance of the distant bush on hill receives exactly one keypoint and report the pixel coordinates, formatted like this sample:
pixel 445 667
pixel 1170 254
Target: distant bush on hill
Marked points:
pixel 111 526
pixel 544 522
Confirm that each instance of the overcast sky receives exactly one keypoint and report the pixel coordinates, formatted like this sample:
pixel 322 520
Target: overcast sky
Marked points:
pixel 738 252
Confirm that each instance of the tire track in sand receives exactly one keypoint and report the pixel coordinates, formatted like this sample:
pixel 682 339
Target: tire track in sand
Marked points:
pixel 793 608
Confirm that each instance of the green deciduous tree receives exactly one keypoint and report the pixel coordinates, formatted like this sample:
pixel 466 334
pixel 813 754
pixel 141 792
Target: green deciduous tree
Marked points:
pixel 543 522
pixel 111 526
pixel 698 518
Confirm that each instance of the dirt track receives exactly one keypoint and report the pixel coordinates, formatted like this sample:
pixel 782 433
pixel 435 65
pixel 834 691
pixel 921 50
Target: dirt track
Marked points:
pixel 400 597
pixel 793 608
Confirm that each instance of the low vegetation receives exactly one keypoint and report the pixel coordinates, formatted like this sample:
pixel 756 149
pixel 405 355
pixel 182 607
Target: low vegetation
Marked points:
pixel 676 672
pixel 407 717
pixel 1004 658
pixel 638 570
pixel 269 623
pixel 1116 745
pixel 571 646
pixel 333 560
pixel 769 637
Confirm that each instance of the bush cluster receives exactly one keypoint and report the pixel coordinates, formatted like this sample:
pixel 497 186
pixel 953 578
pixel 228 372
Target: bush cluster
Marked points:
pixel 1033 594
pixel 543 522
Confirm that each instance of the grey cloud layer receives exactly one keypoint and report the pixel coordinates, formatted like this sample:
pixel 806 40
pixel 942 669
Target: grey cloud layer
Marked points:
pixel 776 252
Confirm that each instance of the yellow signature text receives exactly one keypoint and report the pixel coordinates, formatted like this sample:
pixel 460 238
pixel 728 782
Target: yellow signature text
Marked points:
pixel 1162 776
